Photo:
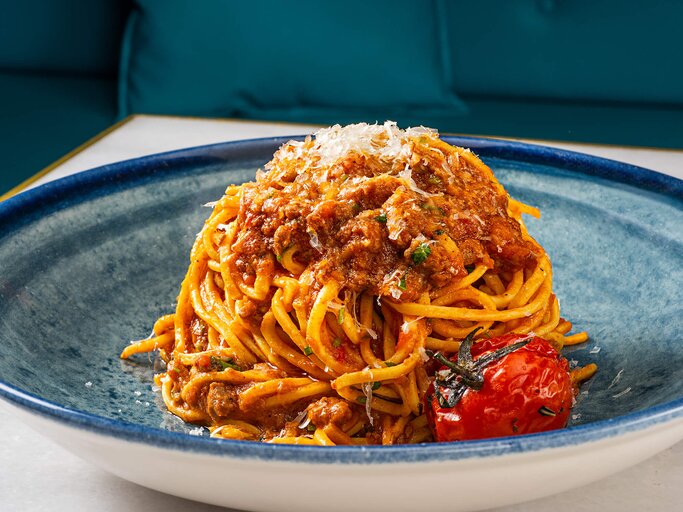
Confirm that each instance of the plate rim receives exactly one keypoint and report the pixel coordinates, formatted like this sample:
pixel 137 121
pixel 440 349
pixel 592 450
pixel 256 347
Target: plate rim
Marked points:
pixel 106 178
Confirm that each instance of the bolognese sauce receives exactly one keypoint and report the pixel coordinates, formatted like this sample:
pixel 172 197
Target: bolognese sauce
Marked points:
pixel 325 302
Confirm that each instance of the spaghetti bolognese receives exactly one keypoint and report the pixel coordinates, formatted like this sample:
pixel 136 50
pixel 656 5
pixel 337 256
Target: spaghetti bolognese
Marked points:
pixel 317 295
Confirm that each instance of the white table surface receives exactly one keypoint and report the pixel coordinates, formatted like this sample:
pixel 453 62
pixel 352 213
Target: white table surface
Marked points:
pixel 38 475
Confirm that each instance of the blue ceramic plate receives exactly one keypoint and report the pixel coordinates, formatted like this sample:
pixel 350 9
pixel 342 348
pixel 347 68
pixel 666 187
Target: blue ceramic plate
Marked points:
pixel 90 261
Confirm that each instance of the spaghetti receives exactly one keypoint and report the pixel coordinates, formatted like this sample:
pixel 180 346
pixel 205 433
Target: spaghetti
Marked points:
pixel 314 293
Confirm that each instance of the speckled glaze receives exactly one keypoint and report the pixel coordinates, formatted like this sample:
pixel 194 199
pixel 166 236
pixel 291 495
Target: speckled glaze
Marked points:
pixel 90 261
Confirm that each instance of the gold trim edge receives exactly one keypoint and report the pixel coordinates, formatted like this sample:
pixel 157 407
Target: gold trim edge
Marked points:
pixel 46 170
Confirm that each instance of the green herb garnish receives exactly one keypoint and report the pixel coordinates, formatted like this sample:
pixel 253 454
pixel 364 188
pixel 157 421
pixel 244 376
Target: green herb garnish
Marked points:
pixel 308 350
pixel 224 364
pixel 469 268
pixel 450 385
pixel 340 316
pixel 362 400
pixel 434 180
pixel 402 283
pixel 382 217
pixel 278 257
pixel 439 232
pixel 310 427
pixel 376 385
pixel 389 364
pixel 421 253
pixel 337 342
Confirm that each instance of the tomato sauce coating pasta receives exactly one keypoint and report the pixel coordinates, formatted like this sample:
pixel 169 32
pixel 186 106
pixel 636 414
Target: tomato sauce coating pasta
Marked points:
pixel 315 292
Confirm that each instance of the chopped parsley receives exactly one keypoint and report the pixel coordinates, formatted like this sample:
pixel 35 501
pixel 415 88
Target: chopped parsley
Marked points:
pixel 382 218
pixel 439 232
pixel 337 342
pixel 308 350
pixel 310 427
pixel 421 253
pixel 402 283
pixel 361 400
pixel 224 364
pixel 469 268
pixel 376 385
pixel 434 180
pixel 279 256
pixel 389 364
pixel 340 316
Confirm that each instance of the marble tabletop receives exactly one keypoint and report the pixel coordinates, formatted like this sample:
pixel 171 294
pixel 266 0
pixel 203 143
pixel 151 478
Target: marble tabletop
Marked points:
pixel 38 475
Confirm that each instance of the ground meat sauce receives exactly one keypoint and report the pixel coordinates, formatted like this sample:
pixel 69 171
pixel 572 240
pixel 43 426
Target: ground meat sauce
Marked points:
pixel 392 212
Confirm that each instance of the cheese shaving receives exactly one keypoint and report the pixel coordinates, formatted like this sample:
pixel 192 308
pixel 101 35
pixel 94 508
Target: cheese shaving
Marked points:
pixel 367 391
pixel 385 142
pixel 407 176
pixel 315 243
pixel 423 354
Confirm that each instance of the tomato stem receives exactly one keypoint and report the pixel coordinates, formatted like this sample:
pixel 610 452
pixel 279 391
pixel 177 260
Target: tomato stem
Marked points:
pixel 500 353
pixel 466 373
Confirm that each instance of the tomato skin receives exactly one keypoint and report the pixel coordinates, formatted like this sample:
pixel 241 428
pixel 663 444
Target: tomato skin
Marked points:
pixel 532 378
pixel 203 363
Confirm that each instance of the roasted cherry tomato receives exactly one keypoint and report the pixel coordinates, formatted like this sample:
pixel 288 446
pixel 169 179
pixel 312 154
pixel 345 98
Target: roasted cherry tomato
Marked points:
pixel 526 390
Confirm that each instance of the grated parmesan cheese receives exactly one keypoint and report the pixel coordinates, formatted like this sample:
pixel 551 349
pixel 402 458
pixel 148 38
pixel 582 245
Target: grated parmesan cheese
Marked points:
pixel 367 391
pixel 372 333
pixel 385 142
pixel 407 176
pixel 423 354
pixel 314 241
pixel 624 392
pixel 616 379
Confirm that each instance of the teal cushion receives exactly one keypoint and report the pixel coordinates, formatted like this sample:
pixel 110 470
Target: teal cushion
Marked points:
pixel 218 58
pixel 609 123
pixel 598 71
pixel 625 124
pixel 606 50
pixel 45 117
pixel 81 36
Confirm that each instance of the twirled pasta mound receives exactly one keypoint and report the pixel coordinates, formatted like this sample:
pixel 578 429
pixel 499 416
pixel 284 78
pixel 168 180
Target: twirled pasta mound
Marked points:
pixel 313 292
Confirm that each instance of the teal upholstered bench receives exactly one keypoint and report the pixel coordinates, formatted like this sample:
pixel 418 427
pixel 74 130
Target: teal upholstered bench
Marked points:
pixel 603 71
pixel 58 72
